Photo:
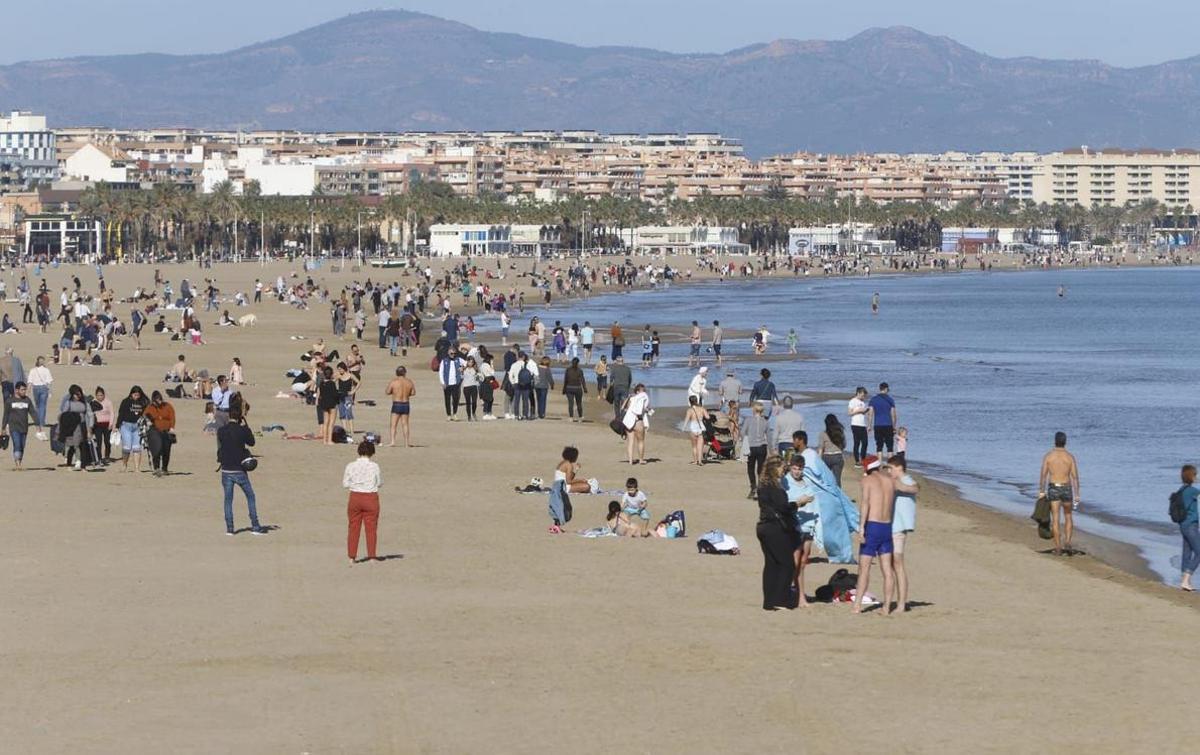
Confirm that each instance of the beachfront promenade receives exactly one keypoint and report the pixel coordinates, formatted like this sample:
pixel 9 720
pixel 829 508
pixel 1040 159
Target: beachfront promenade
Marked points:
pixel 133 624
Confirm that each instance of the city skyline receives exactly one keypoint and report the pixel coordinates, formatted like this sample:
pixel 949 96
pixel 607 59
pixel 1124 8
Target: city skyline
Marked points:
pixel 1117 33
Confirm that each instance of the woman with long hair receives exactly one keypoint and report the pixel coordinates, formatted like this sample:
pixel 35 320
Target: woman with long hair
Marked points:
pixel 104 419
pixel 637 411
pixel 129 417
pixel 82 424
pixel 328 399
pixel 832 446
pixel 777 535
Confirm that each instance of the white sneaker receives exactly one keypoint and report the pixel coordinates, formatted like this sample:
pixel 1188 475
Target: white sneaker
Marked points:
pixel 488 418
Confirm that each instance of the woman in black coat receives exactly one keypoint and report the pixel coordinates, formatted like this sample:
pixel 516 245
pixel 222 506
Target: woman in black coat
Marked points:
pixel 777 536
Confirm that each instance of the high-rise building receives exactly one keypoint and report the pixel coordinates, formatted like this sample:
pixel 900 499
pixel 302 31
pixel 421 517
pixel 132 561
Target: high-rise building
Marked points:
pixel 27 151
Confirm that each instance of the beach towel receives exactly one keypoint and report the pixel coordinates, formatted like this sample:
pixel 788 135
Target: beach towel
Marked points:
pixel 837 514
pixel 597 532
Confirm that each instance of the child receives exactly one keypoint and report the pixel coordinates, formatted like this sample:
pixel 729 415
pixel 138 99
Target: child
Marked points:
pixel 633 503
pixel 655 347
pixel 210 418
pixel 618 522
pixel 791 341
pixel 901 444
pixel 647 350
pixel 602 377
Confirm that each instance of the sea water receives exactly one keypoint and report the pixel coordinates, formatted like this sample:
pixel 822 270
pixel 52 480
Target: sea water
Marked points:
pixel 984 368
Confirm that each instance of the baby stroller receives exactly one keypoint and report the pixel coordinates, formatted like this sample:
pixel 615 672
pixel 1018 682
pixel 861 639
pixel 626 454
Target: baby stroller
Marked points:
pixel 718 441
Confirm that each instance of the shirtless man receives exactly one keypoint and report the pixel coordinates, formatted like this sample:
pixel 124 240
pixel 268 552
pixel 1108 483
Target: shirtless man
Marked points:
pixel 878 499
pixel 694 345
pixel 401 389
pixel 1059 482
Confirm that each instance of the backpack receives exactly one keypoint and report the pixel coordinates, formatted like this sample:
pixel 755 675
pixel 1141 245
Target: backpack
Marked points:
pixel 525 377
pixel 1175 506
pixel 839 584
pixel 339 434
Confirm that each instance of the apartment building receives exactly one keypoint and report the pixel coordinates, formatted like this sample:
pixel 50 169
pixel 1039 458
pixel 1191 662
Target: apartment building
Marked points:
pixel 1117 177
pixel 28 154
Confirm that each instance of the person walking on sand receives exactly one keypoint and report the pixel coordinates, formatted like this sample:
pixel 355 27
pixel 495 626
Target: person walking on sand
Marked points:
pixel 729 389
pixel 363 479
pixel 904 523
pixel 129 414
pixel 19 414
pixel 777 536
pixel 620 379
pixel 878 501
pixel 1189 528
pixel 1059 482
pixel 693 423
pixel 236 462
pixel 400 390
pixel 636 420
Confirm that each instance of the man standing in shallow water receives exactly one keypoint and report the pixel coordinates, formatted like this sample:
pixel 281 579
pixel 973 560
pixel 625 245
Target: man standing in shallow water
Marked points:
pixel 1059 482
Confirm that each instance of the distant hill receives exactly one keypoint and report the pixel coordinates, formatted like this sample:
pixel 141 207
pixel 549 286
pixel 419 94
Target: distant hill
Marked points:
pixel 893 89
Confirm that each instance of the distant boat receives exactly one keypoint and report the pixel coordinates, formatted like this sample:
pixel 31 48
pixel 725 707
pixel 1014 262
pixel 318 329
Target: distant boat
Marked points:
pixel 390 262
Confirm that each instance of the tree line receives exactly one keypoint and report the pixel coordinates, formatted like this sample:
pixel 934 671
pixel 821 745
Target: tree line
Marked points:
pixel 169 220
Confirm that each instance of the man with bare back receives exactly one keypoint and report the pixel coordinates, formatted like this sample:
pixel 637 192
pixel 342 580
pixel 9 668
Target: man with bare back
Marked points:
pixel 878 500
pixel 1059 482
pixel 401 389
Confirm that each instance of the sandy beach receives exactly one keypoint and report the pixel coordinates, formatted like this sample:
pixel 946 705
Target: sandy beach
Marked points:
pixel 133 624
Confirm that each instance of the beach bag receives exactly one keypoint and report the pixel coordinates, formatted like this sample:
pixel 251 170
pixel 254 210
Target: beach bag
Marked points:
pixel 840 584
pixel 56 444
pixel 618 427
pixel 1175 506
pixel 434 364
pixel 675 524
pixel 114 439
pixel 339 434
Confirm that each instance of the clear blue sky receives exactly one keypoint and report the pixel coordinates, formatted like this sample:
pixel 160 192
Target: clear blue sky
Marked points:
pixel 1119 32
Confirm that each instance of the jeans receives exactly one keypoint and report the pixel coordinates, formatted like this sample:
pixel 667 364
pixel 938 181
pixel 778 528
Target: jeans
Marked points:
pixel 471 397
pixel 541 394
pixel 393 343
pixel 18 443
pixel 860 442
pixel 836 463
pixel 616 351
pixel 41 397
pixel 754 464
pixel 620 393
pixel 242 480
pixel 523 404
pixel 574 403
pixel 1191 547
pixel 382 336
pixel 452 395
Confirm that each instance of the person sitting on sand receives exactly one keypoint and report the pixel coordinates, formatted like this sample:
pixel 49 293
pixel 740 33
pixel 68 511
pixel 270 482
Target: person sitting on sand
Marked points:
pixel 565 483
pixel 226 321
pixel 619 522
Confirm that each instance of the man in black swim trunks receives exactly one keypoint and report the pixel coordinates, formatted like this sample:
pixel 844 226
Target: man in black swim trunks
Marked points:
pixel 1059 482
pixel 400 390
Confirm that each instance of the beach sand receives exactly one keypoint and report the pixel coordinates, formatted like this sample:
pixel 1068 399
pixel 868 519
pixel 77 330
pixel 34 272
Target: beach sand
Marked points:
pixel 131 623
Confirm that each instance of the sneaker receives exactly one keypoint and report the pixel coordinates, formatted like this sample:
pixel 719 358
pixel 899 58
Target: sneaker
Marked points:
pixel 230 533
pixel 258 531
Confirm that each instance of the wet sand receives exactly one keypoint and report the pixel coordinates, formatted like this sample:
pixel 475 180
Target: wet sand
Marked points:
pixel 133 624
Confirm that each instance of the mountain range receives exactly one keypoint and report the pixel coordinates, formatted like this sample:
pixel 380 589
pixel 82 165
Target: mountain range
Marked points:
pixel 884 90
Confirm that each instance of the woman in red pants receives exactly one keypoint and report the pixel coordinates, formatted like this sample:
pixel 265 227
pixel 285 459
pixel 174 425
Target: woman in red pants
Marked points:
pixel 363 479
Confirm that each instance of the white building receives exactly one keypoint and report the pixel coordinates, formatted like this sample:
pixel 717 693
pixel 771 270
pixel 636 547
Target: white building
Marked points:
pixel 94 163
pixel 683 239
pixel 29 147
pixel 285 180
pixel 453 240
pixel 535 240
pixel 838 238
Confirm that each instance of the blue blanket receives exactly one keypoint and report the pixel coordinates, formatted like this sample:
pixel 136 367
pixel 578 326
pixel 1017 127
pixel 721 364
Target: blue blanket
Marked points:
pixel 838 516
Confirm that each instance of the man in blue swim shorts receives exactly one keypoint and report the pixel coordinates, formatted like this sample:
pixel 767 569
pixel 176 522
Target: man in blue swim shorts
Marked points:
pixel 878 500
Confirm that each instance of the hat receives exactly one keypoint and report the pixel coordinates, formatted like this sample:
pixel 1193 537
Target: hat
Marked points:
pixel 703 370
pixel 871 463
